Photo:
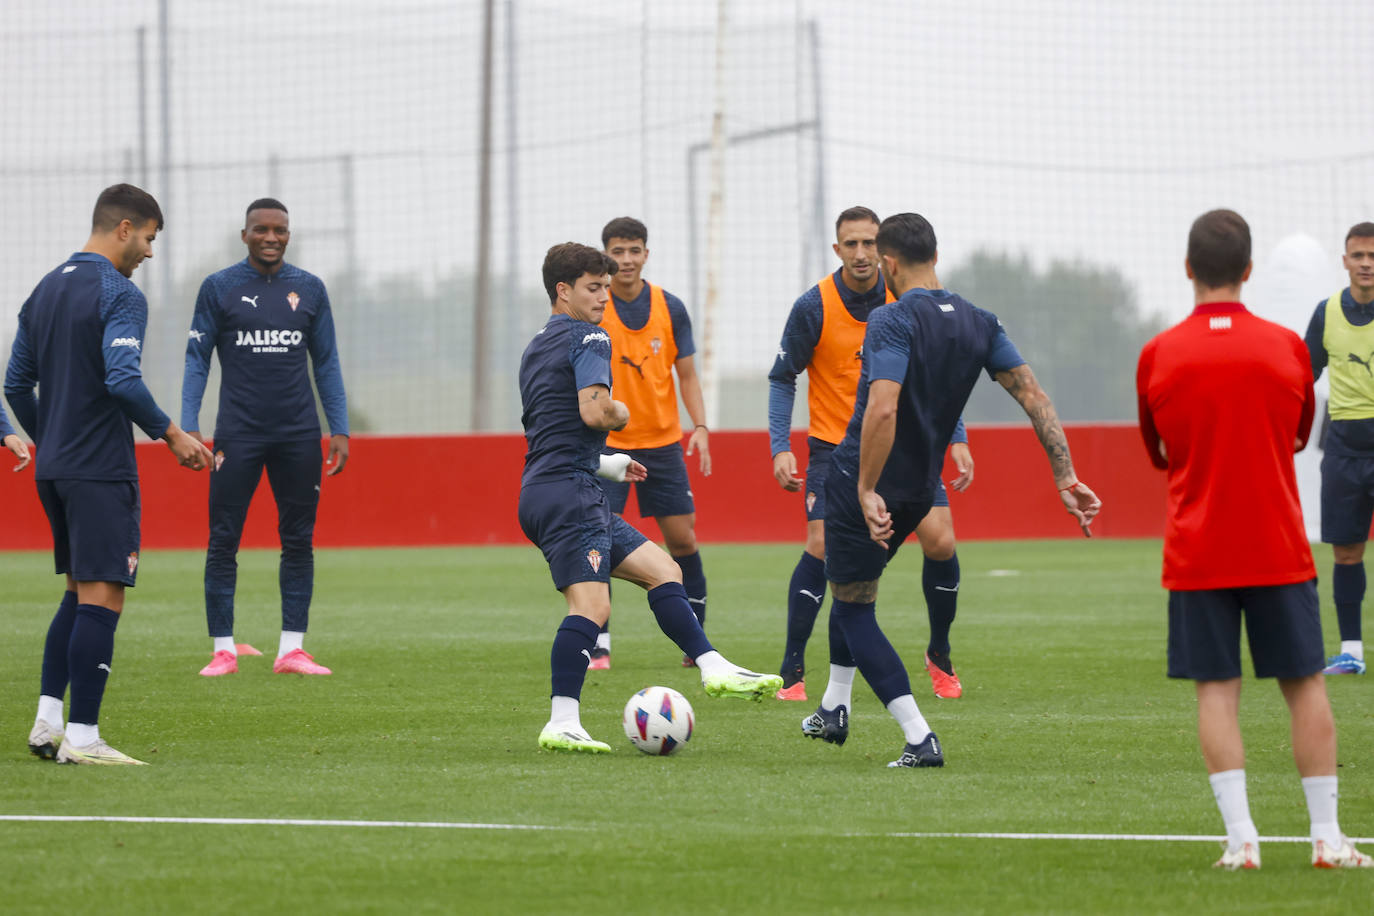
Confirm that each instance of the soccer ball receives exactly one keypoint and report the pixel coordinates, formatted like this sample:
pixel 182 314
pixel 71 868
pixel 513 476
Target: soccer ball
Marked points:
pixel 658 720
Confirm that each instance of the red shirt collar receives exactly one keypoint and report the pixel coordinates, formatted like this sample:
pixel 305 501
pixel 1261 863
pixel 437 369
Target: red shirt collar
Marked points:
pixel 1218 308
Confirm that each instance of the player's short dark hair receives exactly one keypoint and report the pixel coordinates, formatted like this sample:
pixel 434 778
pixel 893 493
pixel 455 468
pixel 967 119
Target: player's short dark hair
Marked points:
pixel 265 203
pixel 908 237
pixel 119 202
pixel 1219 248
pixel 1360 231
pixel 624 227
pixel 566 262
pixel 855 215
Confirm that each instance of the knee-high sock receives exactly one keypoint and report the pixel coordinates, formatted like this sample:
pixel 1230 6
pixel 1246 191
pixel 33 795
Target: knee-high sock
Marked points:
pixel 878 662
pixel 54 678
pixel 1347 591
pixel 675 618
pixel 940 581
pixel 89 654
pixel 572 646
pixel 840 656
pixel 694 581
pixel 805 595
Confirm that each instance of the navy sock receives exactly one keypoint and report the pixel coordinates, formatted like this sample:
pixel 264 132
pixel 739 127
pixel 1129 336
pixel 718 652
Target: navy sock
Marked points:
pixel 877 661
pixel 839 646
pixel 940 580
pixel 1347 590
pixel 54 679
pixel 88 659
pixel 694 581
pixel 675 618
pixel 805 594
pixel 572 646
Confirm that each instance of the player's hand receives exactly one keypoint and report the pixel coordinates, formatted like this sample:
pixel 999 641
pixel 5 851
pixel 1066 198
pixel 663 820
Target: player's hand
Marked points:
pixel 195 434
pixel 190 451
pixel 1082 504
pixel 877 517
pixel 635 472
pixel 785 471
pixel 338 455
pixel 963 461
pixel 19 450
pixel 700 441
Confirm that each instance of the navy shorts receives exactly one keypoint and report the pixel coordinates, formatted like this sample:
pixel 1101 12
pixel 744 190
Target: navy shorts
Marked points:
pixel 850 554
pixel 666 491
pixel 95 528
pixel 1347 499
pixel 818 453
pixel 1282 624
pixel 571 522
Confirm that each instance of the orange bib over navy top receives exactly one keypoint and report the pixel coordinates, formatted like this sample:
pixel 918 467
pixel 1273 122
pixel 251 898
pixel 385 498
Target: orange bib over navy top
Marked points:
pixel 642 375
pixel 833 373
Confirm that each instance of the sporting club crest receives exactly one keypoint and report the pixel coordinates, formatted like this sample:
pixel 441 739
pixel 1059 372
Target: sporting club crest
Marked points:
pixel 293 300
pixel 810 500
pixel 655 345
pixel 133 562
pixel 594 559
pixel 219 459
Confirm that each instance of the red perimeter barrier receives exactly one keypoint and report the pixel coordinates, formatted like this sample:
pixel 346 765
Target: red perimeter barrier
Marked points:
pixel 403 491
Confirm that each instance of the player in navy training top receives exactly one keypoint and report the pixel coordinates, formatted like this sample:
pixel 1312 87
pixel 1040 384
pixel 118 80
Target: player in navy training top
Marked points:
pixel 922 355
pixel 823 337
pixel 565 391
pixel 79 342
pixel 263 316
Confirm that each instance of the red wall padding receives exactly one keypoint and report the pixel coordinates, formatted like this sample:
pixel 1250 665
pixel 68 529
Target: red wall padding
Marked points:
pixel 463 489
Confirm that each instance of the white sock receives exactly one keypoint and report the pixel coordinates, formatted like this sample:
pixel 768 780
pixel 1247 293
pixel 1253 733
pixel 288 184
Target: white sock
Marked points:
pixel 908 716
pixel 225 644
pixel 840 690
pixel 291 640
pixel 1228 787
pixel 603 641
pixel 1353 647
pixel 50 711
pixel 566 712
pixel 1321 808
pixel 82 735
pixel 711 663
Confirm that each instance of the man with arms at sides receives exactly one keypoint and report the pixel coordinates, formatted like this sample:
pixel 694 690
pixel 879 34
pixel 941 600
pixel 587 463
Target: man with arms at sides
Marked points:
pixel 565 390
pixel 79 341
pixel 922 356
pixel 651 336
pixel 1225 398
pixel 263 316
pixel 824 337
pixel 1340 339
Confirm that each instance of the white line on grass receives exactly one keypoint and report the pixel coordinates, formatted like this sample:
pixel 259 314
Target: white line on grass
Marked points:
pixel 271 822
pixel 1142 837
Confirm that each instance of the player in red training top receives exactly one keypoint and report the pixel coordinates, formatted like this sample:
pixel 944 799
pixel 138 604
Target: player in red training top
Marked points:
pixel 1225 399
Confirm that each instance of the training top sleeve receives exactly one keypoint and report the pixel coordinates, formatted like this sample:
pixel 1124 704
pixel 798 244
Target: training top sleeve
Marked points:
pixel 21 377
pixel 200 344
pixel 1002 355
pixel 887 345
pixel 126 319
pixel 5 428
pixel 682 325
pixel 799 338
pixel 590 354
pixel 1316 333
pixel 1149 433
pixel 324 354
pixel 960 433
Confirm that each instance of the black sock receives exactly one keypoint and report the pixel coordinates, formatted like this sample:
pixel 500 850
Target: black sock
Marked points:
pixel 694 581
pixel 1347 591
pixel 805 595
pixel 572 647
pixel 940 581
pixel 54 679
pixel 675 618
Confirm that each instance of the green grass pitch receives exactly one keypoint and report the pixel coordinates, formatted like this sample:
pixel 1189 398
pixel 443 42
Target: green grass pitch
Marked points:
pixel 1067 726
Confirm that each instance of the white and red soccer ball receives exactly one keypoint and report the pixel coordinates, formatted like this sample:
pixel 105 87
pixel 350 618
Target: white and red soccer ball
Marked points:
pixel 658 720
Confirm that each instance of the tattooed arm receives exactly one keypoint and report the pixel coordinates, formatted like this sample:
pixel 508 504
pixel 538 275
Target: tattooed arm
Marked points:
pixel 1080 501
pixel 601 411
